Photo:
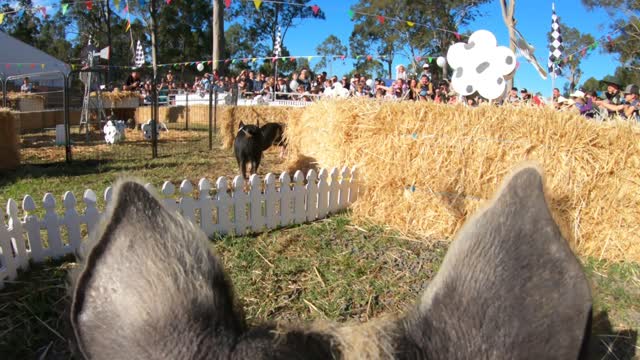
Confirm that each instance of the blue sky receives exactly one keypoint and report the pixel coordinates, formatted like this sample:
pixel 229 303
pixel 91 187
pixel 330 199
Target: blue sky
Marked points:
pixel 534 22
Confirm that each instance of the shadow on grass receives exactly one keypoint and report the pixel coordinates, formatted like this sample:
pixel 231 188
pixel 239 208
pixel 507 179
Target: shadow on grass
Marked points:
pixel 606 343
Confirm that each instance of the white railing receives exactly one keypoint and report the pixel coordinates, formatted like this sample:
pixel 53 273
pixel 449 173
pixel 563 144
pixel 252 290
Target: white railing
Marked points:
pixel 244 208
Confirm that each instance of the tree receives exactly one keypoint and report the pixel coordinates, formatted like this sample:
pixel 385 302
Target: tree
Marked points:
pixel 416 29
pixel 573 42
pixel 21 24
pixel 508 15
pixel 592 84
pixel 263 24
pixel 330 47
pixel 626 23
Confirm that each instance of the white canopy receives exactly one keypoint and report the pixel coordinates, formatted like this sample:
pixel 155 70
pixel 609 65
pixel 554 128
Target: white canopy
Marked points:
pixel 31 62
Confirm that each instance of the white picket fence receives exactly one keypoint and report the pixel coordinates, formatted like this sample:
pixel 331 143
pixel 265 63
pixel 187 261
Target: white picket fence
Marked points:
pixel 267 204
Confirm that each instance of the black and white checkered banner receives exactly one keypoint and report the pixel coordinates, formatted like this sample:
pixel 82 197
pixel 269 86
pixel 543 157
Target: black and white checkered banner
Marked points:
pixel 555 46
pixel 139 55
pixel 277 47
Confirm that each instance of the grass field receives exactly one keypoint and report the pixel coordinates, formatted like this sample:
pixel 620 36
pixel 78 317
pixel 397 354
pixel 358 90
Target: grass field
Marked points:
pixel 332 269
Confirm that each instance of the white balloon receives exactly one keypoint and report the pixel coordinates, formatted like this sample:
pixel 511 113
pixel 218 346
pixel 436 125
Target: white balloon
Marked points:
pixel 200 67
pixel 441 61
pixel 370 83
pixel 293 85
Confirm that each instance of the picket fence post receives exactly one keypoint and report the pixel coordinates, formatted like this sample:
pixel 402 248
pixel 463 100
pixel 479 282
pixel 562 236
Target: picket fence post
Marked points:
pixel 354 188
pixel 205 204
pixel 187 204
pixel 312 195
pixel 343 199
pixel 9 268
pixel 32 227
pixel 223 200
pixel 323 194
pixel 91 213
pixel 17 236
pixel 52 225
pixel 285 199
pixel 71 220
pixel 256 202
pixel 272 196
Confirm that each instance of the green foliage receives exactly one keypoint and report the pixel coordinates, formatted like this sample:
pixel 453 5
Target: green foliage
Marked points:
pixel 624 15
pixel 331 46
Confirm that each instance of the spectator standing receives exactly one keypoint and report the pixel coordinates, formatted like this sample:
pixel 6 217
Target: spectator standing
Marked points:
pixel 26 87
pixel 133 82
pixel 425 71
pixel 401 73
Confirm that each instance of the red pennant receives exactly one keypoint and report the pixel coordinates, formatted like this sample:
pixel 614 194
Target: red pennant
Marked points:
pixel 342 57
pixel 209 62
pixel 418 58
pixel 583 52
pixel 126 9
pixel 227 3
pixel 89 5
pixel 33 66
pixel 315 9
pixel 227 61
pixel 274 59
pixel 168 2
pixel 381 19
pixel 517 64
pixel 457 36
pixel 44 11
pixel 8 66
pixel 369 57
pixel 566 60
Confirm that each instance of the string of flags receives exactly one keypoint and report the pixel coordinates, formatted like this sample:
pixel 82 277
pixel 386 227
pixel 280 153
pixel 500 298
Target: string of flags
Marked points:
pixel 607 39
pixel 21 65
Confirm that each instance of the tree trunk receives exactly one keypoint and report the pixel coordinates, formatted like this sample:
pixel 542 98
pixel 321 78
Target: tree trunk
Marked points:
pixel 154 91
pixel 508 11
pixel 109 39
pixel 218 34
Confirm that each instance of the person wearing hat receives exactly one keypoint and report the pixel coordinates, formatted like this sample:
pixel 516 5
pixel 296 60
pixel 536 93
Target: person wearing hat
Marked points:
pixel 526 97
pixel 629 108
pixel 584 105
pixel 613 94
pixel 425 71
pixel 565 104
pixel 513 97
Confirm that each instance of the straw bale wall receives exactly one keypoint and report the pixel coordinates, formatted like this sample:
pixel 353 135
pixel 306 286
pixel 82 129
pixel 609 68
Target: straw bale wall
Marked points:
pixel 228 117
pixel 426 167
pixel 9 145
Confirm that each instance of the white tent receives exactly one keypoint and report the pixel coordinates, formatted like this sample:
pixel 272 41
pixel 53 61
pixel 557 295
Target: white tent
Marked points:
pixel 18 58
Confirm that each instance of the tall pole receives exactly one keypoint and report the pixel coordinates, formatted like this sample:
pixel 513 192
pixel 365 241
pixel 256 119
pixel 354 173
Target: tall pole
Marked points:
pixel 154 91
pixel 217 49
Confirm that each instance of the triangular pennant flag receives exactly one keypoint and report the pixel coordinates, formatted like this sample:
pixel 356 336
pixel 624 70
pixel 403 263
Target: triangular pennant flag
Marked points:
pixel 315 9
pixel 126 9
pixel 570 57
pixel 566 60
pixel 517 64
pixel 310 57
pixel 583 52
pixel 117 4
pixel 168 2
pixel 273 59
pixel 1 18
pixel 227 3
pixel 19 66
pixel 73 66
pixel 429 58
pixel 380 19
pixel 257 3
pixel 8 66
pixel 128 26
pixel 418 58
pixel 410 23
pixel 342 57
pixel 33 66
pixel 42 66
pixel 89 5
pixel 233 61
pixel 254 60
pixel 284 60
pixel 358 57
pixel 293 59
pixel 594 45
pixel 245 60
pixel 43 10
pixel 65 8
pixel 351 14
pixel 457 36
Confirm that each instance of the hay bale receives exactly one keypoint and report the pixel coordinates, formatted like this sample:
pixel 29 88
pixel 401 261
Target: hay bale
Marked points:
pixel 426 167
pixel 26 101
pixel 230 117
pixel 9 145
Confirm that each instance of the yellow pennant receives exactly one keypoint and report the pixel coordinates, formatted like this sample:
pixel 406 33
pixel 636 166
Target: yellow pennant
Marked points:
pixel 257 3
pixel 410 23
pixel 310 57
pixel 1 18
pixel 117 3
pixel 128 26
pixel 42 66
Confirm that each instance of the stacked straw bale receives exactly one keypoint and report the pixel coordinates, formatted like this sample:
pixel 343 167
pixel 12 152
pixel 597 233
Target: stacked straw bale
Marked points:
pixel 426 167
pixel 232 115
pixel 9 146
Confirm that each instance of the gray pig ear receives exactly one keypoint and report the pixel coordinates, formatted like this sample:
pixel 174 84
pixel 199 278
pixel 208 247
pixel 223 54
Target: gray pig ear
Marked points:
pixel 150 287
pixel 509 286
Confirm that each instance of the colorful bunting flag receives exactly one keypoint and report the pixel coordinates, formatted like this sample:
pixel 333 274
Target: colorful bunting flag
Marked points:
pixel 457 36
pixel 1 18
pixel 380 19
pixel 33 66
pixel 369 57
pixel 410 23
pixel 89 5
pixel 315 9
pixel 309 58
pixel 43 10
pixel 116 3
pixel 168 2
pixel 257 3
pixel 65 7
pixel 351 14
pixel 227 3
pixel 128 26
pixel 42 66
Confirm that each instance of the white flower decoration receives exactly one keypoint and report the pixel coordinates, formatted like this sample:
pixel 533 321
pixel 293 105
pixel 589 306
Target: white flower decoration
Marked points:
pixel 481 66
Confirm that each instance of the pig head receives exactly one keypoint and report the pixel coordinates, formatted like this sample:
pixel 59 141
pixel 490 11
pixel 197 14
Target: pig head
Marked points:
pixel 149 287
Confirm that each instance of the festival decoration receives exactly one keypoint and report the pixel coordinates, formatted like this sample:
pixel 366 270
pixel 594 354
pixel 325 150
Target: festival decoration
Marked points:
pixel 441 61
pixel 481 66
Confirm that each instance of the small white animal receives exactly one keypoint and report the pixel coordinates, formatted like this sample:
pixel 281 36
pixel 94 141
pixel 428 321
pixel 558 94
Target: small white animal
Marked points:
pixel 114 131
pixel 146 129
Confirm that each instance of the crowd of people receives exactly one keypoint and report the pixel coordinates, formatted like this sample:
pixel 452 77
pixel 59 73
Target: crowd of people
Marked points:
pixel 305 86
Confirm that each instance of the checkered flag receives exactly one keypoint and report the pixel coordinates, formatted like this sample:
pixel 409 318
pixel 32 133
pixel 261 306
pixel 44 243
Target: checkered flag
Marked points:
pixel 555 46
pixel 139 55
pixel 276 47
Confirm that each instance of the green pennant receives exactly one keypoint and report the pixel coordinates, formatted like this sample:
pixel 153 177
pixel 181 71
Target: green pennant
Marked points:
pixel 429 58
pixel 351 14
